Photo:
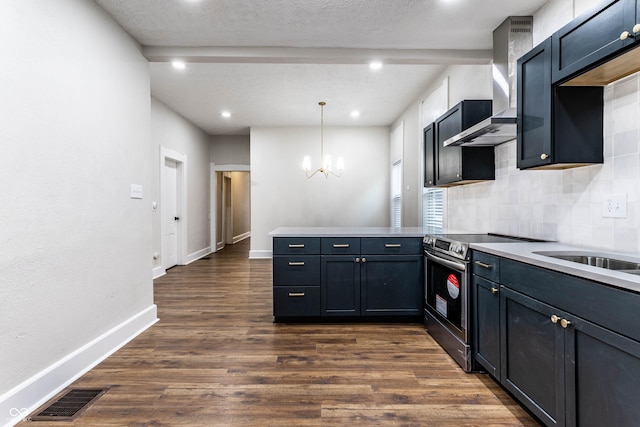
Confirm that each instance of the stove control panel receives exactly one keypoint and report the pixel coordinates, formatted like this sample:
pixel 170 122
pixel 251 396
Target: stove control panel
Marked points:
pixel 447 246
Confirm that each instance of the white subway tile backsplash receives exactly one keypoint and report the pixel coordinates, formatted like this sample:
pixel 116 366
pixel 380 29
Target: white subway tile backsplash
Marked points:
pixel 564 205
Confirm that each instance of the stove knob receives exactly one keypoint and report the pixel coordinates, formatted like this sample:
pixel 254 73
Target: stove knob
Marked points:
pixel 459 250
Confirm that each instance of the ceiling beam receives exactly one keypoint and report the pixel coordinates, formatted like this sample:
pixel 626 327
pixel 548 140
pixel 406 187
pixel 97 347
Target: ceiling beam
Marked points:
pixel 294 55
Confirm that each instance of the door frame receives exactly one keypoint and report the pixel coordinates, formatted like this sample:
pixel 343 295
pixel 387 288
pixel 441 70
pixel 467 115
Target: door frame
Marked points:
pixel 181 205
pixel 213 168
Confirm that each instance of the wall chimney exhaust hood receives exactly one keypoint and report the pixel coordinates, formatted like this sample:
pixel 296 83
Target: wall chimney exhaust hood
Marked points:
pixel 511 40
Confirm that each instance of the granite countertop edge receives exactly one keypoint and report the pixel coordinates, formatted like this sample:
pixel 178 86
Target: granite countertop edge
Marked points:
pixel 525 252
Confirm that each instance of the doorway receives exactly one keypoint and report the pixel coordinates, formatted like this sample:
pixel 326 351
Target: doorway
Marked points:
pixel 230 204
pixel 173 206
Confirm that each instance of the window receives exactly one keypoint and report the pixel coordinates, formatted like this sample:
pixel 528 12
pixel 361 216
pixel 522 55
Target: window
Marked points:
pixel 396 194
pixel 433 207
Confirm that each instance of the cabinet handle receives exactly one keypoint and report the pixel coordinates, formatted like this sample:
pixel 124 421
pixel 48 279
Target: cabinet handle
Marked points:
pixel 494 290
pixel 626 34
pixel 544 156
pixel 357 260
pixel 296 263
pixel 554 318
pixel 340 245
pixel 296 294
pixel 392 245
pixel 483 265
pixel 364 259
pixel 296 246
pixel 564 323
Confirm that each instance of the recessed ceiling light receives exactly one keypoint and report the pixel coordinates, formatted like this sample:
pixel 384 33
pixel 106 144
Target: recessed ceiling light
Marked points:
pixel 355 114
pixel 179 65
pixel 375 65
pixel 226 114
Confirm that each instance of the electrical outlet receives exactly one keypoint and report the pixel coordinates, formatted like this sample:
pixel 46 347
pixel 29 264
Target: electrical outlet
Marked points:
pixel 136 191
pixel 615 206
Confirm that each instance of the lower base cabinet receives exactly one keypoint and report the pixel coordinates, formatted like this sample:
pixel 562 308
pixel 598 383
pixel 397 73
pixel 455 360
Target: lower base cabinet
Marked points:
pixel 566 369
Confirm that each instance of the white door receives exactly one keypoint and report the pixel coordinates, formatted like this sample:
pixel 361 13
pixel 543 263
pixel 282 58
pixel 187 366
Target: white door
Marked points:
pixel 171 212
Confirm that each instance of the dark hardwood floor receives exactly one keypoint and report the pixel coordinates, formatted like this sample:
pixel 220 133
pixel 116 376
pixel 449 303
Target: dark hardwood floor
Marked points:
pixel 217 359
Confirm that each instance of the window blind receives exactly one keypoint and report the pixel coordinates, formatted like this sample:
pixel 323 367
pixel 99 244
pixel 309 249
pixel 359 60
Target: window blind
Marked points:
pixel 396 194
pixel 433 207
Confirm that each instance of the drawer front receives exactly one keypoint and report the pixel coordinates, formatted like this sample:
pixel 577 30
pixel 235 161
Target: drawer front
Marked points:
pixel 300 270
pixel 296 301
pixel 340 245
pixel 391 246
pixel 296 245
pixel 485 265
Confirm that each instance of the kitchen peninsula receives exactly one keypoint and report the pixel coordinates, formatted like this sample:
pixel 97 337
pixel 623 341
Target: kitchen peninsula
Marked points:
pixel 347 272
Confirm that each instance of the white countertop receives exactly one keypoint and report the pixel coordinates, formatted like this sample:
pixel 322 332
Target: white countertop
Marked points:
pixel 524 252
pixel 349 231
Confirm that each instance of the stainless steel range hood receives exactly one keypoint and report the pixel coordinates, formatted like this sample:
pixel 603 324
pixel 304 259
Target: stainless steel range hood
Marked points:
pixel 511 40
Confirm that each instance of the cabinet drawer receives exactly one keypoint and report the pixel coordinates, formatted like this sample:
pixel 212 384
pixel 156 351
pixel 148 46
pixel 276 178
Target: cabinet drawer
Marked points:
pixel 296 301
pixel 300 270
pixel 391 246
pixel 485 265
pixel 340 245
pixel 296 245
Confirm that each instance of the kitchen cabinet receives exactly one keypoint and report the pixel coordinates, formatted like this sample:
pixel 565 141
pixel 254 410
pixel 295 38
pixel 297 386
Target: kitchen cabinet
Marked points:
pixel 569 347
pixel 592 37
pixel 558 126
pixel 462 165
pixel 347 276
pixel 429 140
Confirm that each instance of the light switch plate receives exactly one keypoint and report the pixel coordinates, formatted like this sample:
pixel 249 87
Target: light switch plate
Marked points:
pixel 136 191
pixel 615 206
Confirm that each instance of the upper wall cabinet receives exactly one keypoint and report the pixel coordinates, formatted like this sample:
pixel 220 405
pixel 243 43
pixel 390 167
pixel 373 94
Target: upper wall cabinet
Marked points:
pixel 462 165
pixel 429 156
pixel 558 126
pixel 597 48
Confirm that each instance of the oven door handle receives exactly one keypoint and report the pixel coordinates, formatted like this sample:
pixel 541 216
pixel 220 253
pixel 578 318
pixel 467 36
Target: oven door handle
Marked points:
pixel 458 266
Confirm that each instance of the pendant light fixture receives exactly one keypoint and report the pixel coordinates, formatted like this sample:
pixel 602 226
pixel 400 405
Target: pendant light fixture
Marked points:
pixel 325 169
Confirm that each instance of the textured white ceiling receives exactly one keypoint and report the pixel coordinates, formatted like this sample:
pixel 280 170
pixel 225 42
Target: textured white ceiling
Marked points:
pixel 269 62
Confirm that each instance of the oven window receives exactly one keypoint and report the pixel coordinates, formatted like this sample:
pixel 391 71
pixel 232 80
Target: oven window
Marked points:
pixel 444 287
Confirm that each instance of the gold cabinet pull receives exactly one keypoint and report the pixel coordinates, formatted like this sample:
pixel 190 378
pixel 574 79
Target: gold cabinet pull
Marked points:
pixel 564 323
pixel 494 290
pixel 340 245
pixel 392 245
pixel 296 246
pixel 544 156
pixel 554 318
pixel 296 263
pixel 483 265
pixel 296 294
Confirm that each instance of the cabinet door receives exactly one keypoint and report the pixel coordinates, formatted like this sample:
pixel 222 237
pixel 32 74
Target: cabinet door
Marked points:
pixel 392 285
pixel 534 107
pixel 429 156
pixel 591 38
pixel 487 324
pixel 340 285
pixel 603 371
pixel 532 363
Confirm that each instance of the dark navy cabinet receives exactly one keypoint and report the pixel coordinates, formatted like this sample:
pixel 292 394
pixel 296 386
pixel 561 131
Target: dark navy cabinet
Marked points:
pixel 592 37
pixel 569 347
pixel 558 126
pixel 347 276
pixel 458 164
pixel 430 163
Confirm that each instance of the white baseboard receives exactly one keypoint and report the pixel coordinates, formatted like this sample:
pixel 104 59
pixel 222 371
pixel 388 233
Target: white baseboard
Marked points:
pixel 158 271
pixel 197 255
pixel 25 398
pixel 260 254
pixel 241 237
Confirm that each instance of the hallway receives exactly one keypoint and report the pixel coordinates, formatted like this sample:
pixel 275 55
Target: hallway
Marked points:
pixel 216 358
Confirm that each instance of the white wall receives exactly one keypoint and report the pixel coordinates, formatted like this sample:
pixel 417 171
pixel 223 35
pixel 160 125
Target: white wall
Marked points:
pixel 230 149
pixel 281 195
pixel 241 204
pixel 75 248
pixel 172 131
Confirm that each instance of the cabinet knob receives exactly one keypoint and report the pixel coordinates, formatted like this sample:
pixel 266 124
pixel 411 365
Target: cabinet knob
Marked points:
pixel 554 318
pixel 544 156
pixel 357 260
pixel 364 259
pixel 494 290
pixel 625 35
pixel 636 29
pixel 564 323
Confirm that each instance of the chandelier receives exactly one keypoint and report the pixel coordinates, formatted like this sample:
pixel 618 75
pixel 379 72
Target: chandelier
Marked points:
pixel 325 169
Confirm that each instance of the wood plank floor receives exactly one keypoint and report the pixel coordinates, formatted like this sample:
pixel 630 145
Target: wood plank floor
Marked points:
pixel 217 359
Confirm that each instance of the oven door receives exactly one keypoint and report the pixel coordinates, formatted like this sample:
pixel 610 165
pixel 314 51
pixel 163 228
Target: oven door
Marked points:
pixel 446 292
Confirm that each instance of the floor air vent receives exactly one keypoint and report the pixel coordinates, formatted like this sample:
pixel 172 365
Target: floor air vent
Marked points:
pixel 70 405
